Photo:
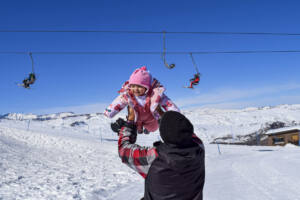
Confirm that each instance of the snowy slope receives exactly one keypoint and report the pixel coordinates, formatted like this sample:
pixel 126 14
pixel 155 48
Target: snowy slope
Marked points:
pixel 38 165
pixel 44 157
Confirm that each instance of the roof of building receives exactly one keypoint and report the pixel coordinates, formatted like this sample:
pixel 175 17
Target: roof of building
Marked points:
pixel 283 130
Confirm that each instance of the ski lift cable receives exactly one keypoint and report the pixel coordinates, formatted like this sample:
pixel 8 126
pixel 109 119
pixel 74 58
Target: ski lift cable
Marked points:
pixel 150 52
pixel 151 32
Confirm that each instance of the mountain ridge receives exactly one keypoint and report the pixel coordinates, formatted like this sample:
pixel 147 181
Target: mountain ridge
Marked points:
pixel 212 125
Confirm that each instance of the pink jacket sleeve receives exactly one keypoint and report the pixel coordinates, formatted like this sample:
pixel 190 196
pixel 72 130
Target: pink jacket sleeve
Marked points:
pixel 168 104
pixel 116 106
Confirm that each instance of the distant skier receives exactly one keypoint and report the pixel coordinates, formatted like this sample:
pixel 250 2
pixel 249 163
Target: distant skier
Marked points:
pixel 194 81
pixel 144 97
pixel 174 168
pixel 28 81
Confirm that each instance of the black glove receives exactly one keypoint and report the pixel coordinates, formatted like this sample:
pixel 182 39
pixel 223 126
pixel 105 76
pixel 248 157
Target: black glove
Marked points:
pixel 116 127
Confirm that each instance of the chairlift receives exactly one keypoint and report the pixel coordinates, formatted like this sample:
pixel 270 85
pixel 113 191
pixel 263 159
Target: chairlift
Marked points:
pixel 171 66
pixel 31 77
pixel 194 81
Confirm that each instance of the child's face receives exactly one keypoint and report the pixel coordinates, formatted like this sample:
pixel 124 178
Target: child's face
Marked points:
pixel 137 90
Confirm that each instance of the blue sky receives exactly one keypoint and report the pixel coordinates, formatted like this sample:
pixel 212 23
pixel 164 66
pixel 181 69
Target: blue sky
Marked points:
pixel 87 83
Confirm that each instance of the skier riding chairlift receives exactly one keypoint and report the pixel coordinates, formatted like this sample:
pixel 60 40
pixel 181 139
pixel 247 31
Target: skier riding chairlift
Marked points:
pixel 194 81
pixel 32 78
pixel 29 81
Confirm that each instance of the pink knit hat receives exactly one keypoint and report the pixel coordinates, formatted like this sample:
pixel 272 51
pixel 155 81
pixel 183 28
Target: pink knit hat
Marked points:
pixel 142 77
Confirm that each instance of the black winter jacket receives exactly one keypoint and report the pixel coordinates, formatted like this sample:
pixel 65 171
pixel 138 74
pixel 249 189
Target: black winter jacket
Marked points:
pixel 177 173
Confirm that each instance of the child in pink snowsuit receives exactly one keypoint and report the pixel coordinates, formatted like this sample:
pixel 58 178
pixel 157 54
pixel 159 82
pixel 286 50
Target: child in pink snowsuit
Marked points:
pixel 143 96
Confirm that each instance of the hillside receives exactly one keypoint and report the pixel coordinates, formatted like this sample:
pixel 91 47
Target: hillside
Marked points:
pixel 233 126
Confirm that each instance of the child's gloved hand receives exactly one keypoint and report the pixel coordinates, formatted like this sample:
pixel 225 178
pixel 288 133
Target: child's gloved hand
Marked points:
pixel 116 127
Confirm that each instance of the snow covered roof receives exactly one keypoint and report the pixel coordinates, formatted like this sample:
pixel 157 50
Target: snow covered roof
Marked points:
pixel 282 130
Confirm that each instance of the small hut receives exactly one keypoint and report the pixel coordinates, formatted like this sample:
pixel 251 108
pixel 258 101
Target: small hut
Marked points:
pixel 283 136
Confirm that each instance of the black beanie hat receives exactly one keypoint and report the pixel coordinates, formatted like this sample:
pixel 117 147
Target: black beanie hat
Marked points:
pixel 175 128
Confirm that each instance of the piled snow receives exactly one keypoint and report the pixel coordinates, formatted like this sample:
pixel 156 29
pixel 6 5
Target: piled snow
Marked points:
pixel 50 159
pixel 290 146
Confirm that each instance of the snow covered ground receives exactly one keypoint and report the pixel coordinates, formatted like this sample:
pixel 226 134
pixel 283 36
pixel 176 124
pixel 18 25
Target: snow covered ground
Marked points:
pixel 52 160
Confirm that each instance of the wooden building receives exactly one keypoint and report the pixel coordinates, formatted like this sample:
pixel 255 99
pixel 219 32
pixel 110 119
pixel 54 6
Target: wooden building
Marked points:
pixel 284 136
